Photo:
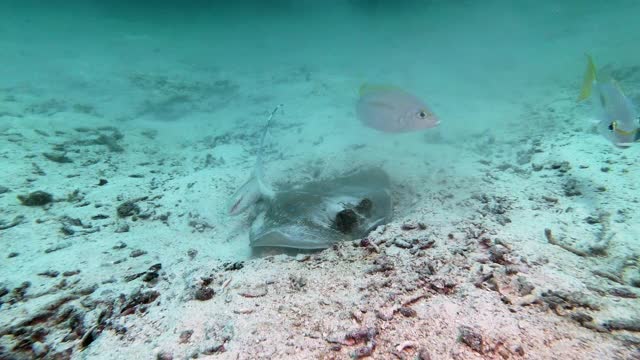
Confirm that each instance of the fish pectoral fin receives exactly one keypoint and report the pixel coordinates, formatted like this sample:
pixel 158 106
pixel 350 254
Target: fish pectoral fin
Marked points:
pixel 589 78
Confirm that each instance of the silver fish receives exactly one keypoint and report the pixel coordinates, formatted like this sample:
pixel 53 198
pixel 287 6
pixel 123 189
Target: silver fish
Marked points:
pixel 619 121
pixel 393 110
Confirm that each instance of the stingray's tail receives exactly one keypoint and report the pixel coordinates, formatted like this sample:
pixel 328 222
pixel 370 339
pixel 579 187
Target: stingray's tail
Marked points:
pixel 256 187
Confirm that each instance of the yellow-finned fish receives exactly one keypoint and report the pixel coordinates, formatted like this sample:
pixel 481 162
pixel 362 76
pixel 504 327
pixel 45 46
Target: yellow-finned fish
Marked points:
pixel 618 117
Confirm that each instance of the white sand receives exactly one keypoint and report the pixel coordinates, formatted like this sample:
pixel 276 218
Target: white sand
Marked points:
pixel 488 182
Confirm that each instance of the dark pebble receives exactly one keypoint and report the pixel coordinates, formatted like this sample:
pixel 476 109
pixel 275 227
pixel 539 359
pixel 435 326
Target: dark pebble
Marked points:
pixel 581 318
pixel 204 293
pixel 150 276
pixel 67 230
pixel 164 356
pixel 50 273
pixel 12 254
pixel 214 349
pixel 140 298
pixel 119 245
pixel 192 253
pixel 471 338
pixel 407 312
pixel 132 277
pixel 3 189
pixel 36 198
pixel 137 252
pixel 123 228
pixel 128 208
pixel 155 267
pixel 592 220
pixel 233 266
pixel 102 182
pixel 185 336
pixel 99 217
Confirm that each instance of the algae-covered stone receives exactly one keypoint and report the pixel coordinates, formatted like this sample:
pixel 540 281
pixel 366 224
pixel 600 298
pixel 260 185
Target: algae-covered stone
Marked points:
pixel 36 198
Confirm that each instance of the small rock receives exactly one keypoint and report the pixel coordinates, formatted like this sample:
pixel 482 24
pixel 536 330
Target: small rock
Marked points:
pixel 213 349
pixel 57 157
pixel 119 245
pixel 592 220
pixel 562 167
pixel 423 354
pixel 163 355
pixel 471 338
pixel 407 312
pixel 185 336
pixel 204 293
pixel 402 244
pixel 571 188
pixel 12 254
pixel 123 228
pixel 192 253
pixel 50 273
pixel 233 266
pixel 102 182
pixel 4 189
pixel 70 273
pixel 137 252
pixel 581 318
pixel 128 208
pixel 409 226
pixel 67 230
pixel 150 276
pixel 36 198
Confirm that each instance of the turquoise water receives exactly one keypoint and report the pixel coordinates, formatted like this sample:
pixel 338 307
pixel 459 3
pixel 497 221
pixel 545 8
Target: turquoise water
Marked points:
pixel 142 121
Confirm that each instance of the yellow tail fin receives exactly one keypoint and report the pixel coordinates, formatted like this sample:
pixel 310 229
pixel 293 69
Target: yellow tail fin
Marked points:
pixel 589 78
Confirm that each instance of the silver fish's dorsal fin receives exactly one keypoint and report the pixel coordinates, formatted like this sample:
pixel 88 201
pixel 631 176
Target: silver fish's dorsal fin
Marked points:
pixel 256 187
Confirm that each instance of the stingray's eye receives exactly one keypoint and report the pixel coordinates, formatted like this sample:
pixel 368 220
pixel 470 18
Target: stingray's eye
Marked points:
pixel 422 114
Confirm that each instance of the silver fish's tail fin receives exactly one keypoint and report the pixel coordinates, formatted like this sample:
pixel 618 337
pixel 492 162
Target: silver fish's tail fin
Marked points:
pixel 256 187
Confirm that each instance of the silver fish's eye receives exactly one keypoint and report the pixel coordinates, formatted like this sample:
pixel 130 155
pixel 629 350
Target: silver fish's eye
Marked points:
pixel 422 114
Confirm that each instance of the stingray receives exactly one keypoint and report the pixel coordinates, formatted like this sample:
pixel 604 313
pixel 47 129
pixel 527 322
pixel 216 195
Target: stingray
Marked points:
pixel 317 214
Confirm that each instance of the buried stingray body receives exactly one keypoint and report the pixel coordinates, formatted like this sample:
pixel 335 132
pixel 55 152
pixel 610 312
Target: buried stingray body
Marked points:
pixel 320 214
pixel 315 215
